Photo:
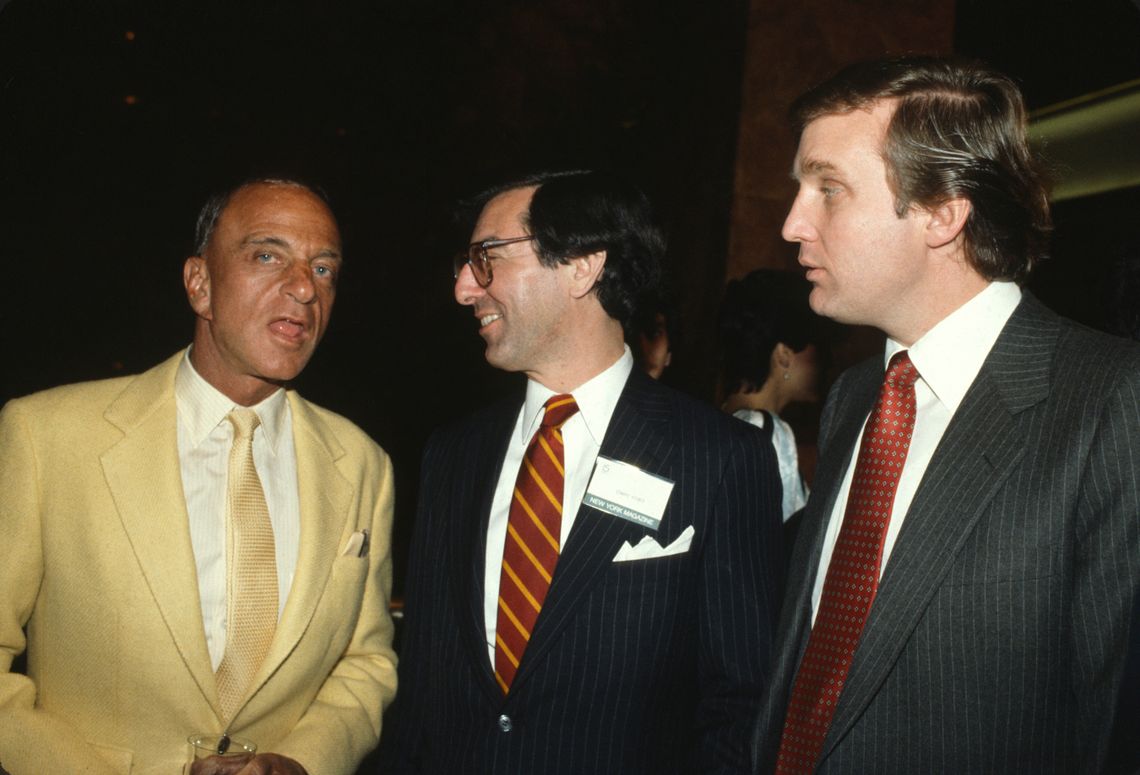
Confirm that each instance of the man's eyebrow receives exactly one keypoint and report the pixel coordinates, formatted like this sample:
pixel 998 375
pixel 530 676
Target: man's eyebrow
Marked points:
pixel 810 166
pixel 278 242
pixel 274 241
pixel 492 238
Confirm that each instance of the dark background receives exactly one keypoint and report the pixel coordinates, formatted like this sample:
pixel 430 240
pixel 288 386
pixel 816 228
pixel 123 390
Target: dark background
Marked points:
pixel 118 117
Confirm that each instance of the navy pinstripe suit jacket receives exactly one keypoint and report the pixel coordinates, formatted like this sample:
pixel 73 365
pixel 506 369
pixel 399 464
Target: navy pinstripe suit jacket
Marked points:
pixel 998 635
pixel 653 666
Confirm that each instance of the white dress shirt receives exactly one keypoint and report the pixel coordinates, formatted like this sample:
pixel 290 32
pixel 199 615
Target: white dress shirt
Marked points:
pixel 204 441
pixel 948 358
pixel 582 434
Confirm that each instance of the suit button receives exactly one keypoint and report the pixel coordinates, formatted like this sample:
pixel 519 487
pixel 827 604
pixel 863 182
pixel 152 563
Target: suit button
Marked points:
pixel 505 724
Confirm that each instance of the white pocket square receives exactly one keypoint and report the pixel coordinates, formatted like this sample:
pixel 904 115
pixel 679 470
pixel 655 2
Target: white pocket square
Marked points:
pixel 648 548
pixel 357 545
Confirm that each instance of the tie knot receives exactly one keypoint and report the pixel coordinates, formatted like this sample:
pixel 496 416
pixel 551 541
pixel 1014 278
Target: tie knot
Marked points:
pixel 901 373
pixel 559 409
pixel 245 421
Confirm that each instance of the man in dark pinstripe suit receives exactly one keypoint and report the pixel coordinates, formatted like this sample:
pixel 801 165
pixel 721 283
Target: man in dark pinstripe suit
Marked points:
pixel 1010 563
pixel 649 652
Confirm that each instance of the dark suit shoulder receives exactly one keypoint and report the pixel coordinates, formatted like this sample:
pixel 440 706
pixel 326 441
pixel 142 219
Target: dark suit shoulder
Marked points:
pixel 1040 353
pixel 1081 345
pixel 694 414
pixel 494 419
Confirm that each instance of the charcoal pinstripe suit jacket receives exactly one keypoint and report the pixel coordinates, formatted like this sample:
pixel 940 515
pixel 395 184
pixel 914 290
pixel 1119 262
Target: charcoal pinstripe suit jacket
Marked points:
pixel 997 637
pixel 653 666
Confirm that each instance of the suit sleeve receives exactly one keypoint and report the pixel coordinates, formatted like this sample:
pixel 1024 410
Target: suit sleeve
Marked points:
pixel 343 722
pixel 1107 574
pixel 31 740
pixel 740 589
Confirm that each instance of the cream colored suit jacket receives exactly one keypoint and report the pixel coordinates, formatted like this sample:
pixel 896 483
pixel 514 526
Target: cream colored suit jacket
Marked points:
pixel 96 562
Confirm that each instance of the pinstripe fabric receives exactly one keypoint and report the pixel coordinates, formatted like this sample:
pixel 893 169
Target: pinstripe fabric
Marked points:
pixel 998 634
pixel 653 666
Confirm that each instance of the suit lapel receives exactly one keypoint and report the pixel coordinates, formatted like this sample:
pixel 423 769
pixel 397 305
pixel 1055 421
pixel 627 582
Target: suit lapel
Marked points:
pixel 637 434
pixel 861 394
pixel 852 401
pixel 830 473
pixel 325 498
pixel 982 445
pixel 144 476
pixel 468 533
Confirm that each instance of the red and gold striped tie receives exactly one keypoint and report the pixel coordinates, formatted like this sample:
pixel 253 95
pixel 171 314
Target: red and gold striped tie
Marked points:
pixel 533 534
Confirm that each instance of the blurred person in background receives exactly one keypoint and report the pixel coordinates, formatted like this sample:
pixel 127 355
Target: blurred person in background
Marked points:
pixel 771 345
pixel 655 329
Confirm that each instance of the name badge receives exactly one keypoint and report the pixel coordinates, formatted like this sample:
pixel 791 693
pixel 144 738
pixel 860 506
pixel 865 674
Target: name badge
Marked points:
pixel 627 492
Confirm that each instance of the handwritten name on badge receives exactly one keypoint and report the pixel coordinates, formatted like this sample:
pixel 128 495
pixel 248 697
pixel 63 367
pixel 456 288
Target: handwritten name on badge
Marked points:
pixel 627 492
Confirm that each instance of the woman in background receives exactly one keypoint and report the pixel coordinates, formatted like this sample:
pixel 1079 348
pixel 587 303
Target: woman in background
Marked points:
pixel 769 338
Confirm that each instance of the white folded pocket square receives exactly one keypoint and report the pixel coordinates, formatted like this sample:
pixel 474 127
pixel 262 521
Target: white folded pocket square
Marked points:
pixel 357 545
pixel 648 548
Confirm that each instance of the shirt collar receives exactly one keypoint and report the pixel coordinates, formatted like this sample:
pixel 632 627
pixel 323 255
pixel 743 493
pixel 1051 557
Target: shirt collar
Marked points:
pixel 202 407
pixel 596 399
pixel 950 355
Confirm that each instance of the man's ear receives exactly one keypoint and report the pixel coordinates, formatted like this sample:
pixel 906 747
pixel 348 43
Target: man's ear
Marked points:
pixel 946 221
pixel 585 271
pixel 196 280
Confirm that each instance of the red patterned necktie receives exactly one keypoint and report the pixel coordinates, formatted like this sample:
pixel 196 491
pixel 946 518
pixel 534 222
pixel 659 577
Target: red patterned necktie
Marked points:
pixel 853 574
pixel 534 530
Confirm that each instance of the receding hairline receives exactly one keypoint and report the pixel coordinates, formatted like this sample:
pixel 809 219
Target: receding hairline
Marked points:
pixel 524 216
pixel 217 204
pixel 814 165
pixel 294 185
pixel 530 190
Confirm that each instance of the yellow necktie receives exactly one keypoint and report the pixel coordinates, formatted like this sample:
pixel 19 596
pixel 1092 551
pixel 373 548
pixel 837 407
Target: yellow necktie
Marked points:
pixel 251 582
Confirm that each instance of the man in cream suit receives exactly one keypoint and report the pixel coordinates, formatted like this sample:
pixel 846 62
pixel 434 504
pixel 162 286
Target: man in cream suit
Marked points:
pixel 962 592
pixel 592 593
pixel 120 560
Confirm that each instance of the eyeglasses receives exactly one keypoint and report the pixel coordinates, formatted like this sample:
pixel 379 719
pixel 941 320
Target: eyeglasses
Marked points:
pixel 475 256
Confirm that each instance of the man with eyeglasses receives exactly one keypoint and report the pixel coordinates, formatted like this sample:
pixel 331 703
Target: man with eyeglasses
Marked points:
pixel 595 564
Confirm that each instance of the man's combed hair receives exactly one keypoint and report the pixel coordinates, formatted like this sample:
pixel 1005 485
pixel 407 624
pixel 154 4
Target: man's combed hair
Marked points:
pixel 574 214
pixel 958 130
